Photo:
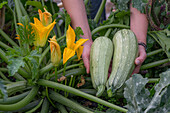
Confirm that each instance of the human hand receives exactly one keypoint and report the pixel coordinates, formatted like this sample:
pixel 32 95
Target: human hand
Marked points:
pixel 86 55
pixel 140 59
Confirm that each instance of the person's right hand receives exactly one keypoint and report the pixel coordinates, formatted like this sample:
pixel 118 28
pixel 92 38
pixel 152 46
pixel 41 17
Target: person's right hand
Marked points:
pixel 86 55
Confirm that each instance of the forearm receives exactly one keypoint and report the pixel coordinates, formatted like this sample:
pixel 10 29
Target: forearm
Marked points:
pixel 76 10
pixel 138 24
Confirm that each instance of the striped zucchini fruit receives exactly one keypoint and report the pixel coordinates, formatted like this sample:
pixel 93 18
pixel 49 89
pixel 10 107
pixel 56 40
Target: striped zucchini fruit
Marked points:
pixel 100 57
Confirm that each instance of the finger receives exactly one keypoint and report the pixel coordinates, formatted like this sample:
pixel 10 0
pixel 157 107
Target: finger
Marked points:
pixel 87 64
pixel 136 70
pixel 142 56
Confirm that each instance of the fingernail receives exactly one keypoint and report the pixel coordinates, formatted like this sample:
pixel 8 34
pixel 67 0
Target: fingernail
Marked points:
pixel 137 62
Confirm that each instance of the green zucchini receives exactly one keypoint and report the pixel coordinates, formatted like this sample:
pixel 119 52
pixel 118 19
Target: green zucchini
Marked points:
pixel 125 52
pixel 100 57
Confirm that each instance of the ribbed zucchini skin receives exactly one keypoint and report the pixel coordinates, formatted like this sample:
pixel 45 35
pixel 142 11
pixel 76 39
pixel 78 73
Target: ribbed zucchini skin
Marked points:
pixel 100 57
pixel 125 52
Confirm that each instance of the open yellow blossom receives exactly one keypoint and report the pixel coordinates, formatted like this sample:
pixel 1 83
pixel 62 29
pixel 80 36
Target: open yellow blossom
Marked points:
pixel 45 17
pixel 55 51
pixel 41 32
pixel 72 47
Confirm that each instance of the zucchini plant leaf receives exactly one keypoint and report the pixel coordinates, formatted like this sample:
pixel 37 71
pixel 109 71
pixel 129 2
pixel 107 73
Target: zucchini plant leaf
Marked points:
pixel 121 4
pixel 3 91
pixel 15 64
pixel 78 32
pixel 140 5
pixel 160 94
pixel 164 41
pixel 37 4
pixel 138 97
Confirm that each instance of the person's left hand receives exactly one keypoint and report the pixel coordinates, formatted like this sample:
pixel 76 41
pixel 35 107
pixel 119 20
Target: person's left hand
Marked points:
pixel 140 59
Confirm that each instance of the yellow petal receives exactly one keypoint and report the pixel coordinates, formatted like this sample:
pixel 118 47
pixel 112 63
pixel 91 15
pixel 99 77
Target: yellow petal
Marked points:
pixel 40 15
pixel 55 51
pixel 70 37
pixel 20 24
pixel 68 53
pixel 79 43
pixel 41 32
pixel 79 52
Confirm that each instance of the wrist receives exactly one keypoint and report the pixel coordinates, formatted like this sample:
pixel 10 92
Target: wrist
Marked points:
pixel 142 44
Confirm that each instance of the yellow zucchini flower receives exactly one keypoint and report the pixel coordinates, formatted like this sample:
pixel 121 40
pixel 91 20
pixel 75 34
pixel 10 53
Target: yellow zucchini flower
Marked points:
pixel 55 51
pixel 41 32
pixel 45 17
pixel 72 47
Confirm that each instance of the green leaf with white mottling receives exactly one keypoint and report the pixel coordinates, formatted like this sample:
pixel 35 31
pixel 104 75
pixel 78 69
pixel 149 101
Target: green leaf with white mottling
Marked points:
pixel 140 5
pixel 136 94
pixel 78 32
pixel 15 64
pixel 3 91
pixel 161 89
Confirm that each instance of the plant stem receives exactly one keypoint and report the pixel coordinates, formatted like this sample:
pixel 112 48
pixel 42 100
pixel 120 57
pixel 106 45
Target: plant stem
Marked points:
pixel 2 55
pixel 42 2
pixel 100 11
pixel 153 80
pixel 18 10
pixel 4 77
pixel 4 45
pixel 79 93
pixel 22 103
pixel 108 26
pixel 45 106
pixel 65 101
pixel 4 69
pixel 154 52
pixel 8 38
pixel 52 7
pixel 24 12
pixel 49 98
pixel 108 32
pixel 14 99
pixel 36 107
pixel 154 64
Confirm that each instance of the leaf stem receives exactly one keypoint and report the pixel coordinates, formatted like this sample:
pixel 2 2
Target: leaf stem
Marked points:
pixel 154 52
pixel 79 93
pixel 154 64
pixel 22 103
pixel 100 11
pixel 108 26
pixel 8 38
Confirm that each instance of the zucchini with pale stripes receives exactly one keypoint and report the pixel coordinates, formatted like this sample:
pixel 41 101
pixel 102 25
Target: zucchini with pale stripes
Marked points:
pixel 125 52
pixel 100 57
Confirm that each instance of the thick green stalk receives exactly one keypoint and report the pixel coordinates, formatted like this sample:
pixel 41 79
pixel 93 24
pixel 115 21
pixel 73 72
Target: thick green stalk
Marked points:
pixel 69 67
pixel 3 76
pixel 153 80
pixel 36 107
pixel 154 52
pixel 4 45
pixel 18 10
pixel 108 32
pixel 100 11
pixel 61 108
pixel 108 26
pixel 154 64
pixel 46 69
pixel 4 69
pixel 52 7
pixel 58 30
pixel 14 99
pixel 24 12
pixel 8 38
pixel 2 55
pixel 65 101
pixel 22 103
pixel 45 106
pixel 79 93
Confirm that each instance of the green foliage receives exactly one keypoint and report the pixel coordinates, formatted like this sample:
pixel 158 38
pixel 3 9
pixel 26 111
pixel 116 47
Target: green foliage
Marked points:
pixel 138 97
pixel 36 4
pixel 67 20
pixel 121 4
pixel 3 3
pixel 3 91
pixel 78 32
pixel 140 5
